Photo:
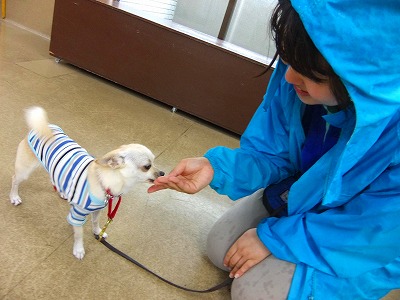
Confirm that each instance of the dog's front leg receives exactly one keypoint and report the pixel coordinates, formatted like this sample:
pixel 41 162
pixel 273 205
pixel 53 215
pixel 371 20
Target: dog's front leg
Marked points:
pixel 78 251
pixel 95 223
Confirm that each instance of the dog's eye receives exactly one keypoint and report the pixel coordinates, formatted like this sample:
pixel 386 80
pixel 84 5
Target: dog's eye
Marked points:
pixel 146 168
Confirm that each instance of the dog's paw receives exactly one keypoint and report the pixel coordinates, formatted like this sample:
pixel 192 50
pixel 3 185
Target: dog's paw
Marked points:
pixel 16 200
pixel 62 196
pixel 79 251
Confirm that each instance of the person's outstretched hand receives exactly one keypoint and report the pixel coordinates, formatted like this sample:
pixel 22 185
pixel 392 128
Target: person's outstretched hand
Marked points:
pixel 189 176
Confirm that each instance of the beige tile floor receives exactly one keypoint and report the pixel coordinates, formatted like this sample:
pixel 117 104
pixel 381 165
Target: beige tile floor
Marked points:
pixel 165 231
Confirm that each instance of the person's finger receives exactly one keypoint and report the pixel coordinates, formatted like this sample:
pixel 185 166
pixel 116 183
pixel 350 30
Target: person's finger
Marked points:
pixel 228 260
pixel 242 260
pixel 155 188
pixel 174 179
pixel 178 170
pixel 166 183
pixel 243 269
pixel 162 180
pixel 176 187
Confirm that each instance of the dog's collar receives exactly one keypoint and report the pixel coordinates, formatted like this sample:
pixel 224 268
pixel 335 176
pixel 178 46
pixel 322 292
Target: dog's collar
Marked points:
pixel 109 196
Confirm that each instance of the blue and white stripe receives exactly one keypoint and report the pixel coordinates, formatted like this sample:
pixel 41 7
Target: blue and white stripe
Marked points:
pixel 67 164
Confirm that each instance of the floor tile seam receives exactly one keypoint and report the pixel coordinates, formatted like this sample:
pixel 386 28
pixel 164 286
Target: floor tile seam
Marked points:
pixel 26 29
pixel 38 74
pixel 34 267
pixel 175 140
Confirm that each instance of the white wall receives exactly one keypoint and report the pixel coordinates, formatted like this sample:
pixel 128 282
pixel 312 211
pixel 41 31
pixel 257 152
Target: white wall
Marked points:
pixel 152 9
pixel 202 15
pixel 249 26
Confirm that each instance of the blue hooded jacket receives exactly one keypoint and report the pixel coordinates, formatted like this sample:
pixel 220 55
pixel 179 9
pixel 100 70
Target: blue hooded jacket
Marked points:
pixel 343 224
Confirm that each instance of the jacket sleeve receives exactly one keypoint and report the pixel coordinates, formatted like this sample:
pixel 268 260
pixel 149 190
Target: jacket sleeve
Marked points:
pixel 365 232
pixel 263 156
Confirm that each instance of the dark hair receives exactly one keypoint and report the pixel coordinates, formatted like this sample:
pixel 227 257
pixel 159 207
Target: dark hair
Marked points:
pixel 295 47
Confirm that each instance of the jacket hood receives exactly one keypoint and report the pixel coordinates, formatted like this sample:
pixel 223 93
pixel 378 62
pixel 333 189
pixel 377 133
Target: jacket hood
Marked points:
pixel 361 41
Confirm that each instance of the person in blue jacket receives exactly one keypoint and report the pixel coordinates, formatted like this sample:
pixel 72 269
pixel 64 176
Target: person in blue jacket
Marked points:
pixel 319 215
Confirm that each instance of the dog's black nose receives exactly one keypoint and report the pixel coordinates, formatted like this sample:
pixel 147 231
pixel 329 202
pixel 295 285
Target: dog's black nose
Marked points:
pixel 162 173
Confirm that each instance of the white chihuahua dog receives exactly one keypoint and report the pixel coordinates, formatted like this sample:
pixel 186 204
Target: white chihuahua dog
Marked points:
pixel 86 183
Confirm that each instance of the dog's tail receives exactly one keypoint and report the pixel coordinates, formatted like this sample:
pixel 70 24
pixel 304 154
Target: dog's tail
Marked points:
pixel 36 118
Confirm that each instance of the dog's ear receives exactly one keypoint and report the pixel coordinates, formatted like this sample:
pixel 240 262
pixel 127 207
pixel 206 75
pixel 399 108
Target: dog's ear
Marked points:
pixel 113 161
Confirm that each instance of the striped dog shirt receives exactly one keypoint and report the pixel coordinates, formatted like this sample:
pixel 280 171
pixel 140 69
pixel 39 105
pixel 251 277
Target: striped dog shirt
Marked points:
pixel 67 164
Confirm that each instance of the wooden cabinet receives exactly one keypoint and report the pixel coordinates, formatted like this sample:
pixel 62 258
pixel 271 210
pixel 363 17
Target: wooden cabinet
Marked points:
pixel 195 73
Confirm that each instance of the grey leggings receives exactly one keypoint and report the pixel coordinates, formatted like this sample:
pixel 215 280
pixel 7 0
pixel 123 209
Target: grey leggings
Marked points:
pixel 271 278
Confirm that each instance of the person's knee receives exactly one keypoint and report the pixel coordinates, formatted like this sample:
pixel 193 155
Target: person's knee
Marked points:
pixel 270 279
pixel 215 251
pixel 244 215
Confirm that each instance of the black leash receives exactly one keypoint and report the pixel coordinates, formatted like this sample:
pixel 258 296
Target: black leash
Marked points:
pixel 225 283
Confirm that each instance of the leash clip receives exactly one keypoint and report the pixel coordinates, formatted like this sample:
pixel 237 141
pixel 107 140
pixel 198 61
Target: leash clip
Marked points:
pixel 104 229
pixel 108 198
pixel 111 212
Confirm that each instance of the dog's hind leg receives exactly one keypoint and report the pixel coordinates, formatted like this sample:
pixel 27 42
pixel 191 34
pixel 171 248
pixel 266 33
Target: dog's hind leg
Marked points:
pixel 25 163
